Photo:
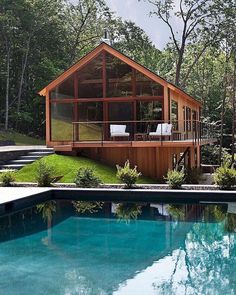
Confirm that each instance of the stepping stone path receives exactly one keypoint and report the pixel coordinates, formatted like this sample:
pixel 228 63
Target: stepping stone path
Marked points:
pixel 29 158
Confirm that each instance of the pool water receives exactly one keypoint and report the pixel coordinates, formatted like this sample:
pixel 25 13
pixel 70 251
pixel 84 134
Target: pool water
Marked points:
pixel 96 248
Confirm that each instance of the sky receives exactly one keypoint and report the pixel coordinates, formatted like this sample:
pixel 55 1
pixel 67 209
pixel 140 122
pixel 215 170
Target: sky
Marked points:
pixel 138 12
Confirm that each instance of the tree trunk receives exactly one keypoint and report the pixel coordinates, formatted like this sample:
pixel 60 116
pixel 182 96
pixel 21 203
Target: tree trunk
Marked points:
pixel 24 63
pixel 178 67
pixel 234 110
pixel 7 89
pixel 223 107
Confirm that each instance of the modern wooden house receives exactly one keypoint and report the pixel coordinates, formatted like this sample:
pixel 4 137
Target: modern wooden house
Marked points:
pixel 111 108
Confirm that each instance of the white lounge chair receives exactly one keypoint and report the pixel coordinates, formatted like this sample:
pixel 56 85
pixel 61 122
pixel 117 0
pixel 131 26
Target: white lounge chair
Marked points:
pixel 118 131
pixel 163 129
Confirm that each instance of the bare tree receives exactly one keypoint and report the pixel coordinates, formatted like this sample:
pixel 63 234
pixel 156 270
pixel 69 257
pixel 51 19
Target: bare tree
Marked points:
pixel 196 20
pixel 234 109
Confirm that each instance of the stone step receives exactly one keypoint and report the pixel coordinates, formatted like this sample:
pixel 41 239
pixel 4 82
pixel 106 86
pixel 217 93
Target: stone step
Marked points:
pixel 38 153
pixel 12 166
pixel 34 157
pixel 22 161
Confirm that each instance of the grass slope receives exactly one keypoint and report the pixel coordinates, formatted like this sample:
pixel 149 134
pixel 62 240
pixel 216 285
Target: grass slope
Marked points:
pixel 67 167
pixel 20 139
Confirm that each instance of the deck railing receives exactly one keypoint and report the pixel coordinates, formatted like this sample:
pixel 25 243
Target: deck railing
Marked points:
pixel 101 131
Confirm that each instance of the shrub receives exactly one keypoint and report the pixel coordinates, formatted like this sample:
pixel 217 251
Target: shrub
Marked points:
pixel 87 207
pixel 175 179
pixel 86 178
pixel 225 177
pixel 7 178
pixel 128 211
pixel 44 174
pixel 127 175
pixel 210 154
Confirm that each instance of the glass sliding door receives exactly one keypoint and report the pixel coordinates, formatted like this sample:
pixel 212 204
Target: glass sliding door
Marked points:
pixel 121 112
pixel 174 114
pixel 62 116
pixel 90 114
pixel 148 111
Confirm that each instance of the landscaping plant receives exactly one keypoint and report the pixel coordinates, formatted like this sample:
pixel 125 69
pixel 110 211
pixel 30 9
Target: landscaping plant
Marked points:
pixel 127 175
pixel 225 177
pixel 128 211
pixel 175 178
pixel 85 177
pixel 44 174
pixel 8 178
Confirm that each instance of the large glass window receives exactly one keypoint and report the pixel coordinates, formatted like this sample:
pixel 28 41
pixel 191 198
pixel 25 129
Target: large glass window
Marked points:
pixel 120 112
pixel 194 117
pixel 148 111
pixel 64 90
pixel 90 79
pixel 174 114
pixel 147 87
pixel 90 114
pixel 118 77
pixel 62 116
pixel 188 119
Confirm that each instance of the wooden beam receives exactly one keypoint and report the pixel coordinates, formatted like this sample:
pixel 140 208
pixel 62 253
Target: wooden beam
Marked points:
pixel 48 120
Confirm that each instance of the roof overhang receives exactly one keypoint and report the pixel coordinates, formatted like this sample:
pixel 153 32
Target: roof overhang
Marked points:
pixel 103 46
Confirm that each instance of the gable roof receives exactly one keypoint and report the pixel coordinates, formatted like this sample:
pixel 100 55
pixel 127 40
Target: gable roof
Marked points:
pixel 104 46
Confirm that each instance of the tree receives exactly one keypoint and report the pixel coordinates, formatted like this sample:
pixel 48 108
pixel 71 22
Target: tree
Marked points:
pixel 197 20
pixel 85 22
pixel 131 40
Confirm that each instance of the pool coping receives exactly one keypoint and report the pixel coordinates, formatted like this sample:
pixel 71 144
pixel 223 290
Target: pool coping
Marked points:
pixel 16 198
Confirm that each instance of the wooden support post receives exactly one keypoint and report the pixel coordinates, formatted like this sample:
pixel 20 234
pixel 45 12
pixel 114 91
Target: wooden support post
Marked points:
pixel 48 120
pixel 198 155
pixel 76 111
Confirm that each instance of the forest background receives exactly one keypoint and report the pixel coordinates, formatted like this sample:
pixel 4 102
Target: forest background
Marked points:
pixel 39 39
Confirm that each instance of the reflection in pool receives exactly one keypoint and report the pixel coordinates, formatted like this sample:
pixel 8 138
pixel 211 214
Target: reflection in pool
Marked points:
pixel 64 247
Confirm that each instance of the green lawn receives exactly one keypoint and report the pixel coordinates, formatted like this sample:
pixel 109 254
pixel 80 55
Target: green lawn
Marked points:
pixel 20 139
pixel 67 166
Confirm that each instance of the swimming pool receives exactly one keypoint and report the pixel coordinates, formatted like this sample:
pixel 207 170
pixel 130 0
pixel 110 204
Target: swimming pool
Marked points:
pixel 98 248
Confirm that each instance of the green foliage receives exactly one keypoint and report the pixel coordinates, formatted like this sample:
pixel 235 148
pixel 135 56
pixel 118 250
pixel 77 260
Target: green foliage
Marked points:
pixel 128 211
pixel 84 206
pixel 210 154
pixel 176 211
pixel 193 175
pixel 47 209
pixel 127 175
pixel 68 166
pixel 86 178
pixel 7 178
pixel 44 174
pixel 225 177
pixel 20 139
pixel 175 178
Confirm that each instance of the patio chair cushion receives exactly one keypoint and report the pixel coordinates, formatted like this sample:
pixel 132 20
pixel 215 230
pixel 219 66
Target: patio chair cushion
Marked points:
pixel 163 129
pixel 120 134
pixel 169 129
pixel 118 130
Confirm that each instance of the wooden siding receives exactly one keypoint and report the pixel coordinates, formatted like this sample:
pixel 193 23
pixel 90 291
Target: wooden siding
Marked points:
pixel 152 162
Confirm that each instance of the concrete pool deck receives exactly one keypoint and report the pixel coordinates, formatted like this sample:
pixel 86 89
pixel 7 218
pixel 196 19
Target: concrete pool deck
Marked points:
pixel 9 194
pixel 12 148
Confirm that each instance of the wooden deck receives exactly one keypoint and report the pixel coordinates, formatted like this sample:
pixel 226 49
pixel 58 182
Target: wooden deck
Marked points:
pixel 135 144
